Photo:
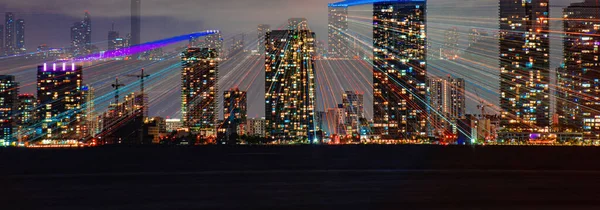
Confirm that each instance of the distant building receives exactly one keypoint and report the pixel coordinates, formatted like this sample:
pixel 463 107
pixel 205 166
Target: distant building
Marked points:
pixel 9 33
pixel 9 89
pixel 136 22
pixel 157 128
pixel 447 97
pixel 298 24
pixel 213 41
pixel 81 36
pixel 20 36
pixel 234 112
pixel 578 93
pixel 61 97
pixel 256 127
pixel 525 65
pixel 263 29
pixel 112 38
pixel 173 124
pixel 353 105
pixel 338 32
pixel 400 70
pixel 450 48
pixel 124 122
pixel 290 85
pixel 199 90
pixel 2 40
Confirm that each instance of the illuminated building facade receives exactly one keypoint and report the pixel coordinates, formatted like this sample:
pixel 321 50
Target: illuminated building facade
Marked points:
pixel 213 41
pixel 124 122
pixel 199 90
pixel 447 98
pixel 263 29
pixel 61 97
pixel 20 36
pixel 400 70
pixel 450 49
pixel 112 38
pixel 578 90
pixel 353 105
pixel 9 90
pixel 297 24
pixel 256 127
pixel 524 65
pixel 234 112
pixel 9 33
pixel 26 116
pixel 81 36
pixel 338 31
pixel 290 93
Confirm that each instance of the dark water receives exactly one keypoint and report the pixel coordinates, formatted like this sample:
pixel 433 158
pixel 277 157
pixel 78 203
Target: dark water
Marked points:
pixel 302 177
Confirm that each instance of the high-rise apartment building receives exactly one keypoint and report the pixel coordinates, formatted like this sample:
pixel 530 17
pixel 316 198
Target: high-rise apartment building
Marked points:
pixel 338 31
pixel 524 65
pixel 578 93
pixel 20 36
pixel 9 33
pixel 9 89
pixel 447 97
pixel 290 93
pixel 400 70
pixel 199 90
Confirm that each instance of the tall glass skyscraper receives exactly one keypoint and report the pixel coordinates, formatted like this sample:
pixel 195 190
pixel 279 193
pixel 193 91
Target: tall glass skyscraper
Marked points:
pixel 400 70
pixel 20 36
pixel 9 89
pixel 524 65
pixel 199 90
pixel 578 93
pixel 290 93
pixel 338 31
pixel 9 33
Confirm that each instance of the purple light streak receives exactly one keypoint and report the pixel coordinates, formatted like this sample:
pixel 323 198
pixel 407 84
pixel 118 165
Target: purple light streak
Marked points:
pixel 144 47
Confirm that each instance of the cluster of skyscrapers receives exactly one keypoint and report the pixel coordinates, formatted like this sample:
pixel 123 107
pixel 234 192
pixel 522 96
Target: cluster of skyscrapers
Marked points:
pixel 12 35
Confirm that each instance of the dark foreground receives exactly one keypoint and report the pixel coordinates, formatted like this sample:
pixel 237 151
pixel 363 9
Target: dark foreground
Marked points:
pixel 301 177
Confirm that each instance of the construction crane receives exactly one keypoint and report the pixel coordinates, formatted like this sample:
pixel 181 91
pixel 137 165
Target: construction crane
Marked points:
pixel 141 76
pixel 116 86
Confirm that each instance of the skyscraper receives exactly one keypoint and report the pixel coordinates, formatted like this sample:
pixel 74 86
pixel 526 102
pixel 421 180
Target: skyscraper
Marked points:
pixel 20 36
pixel 450 48
pixel 199 90
pixel 112 38
pixel 338 31
pixel 234 112
pixel 290 85
pixel 297 24
pixel 524 65
pixel 352 102
pixel 1 40
pixel 447 97
pixel 263 29
pixel 26 116
pixel 87 32
pixel 578 81
pixel 136 22
pixel 9 33
pixel 61 98
pixel 400 70
pixel 9 89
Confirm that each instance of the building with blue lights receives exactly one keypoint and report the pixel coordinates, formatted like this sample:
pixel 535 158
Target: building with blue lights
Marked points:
pixel 400 70
pixel 290 93
pixel 9 89
pixel 9 33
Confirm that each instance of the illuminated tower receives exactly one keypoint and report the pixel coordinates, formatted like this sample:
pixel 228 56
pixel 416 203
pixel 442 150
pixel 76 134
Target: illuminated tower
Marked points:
pixel 199 90
pixel 338 31
pixel 400 70
pixel 524 65
pixel 234 112
pixel 136 22
pixel 290 85
pixel 447 97
pixel 60 94
pixel 353 105
pixel 263 29
pixel 9 89
pixel 9 33
pixel 20 36
pixel 87 32
pixel 1 40
pixel 578 90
